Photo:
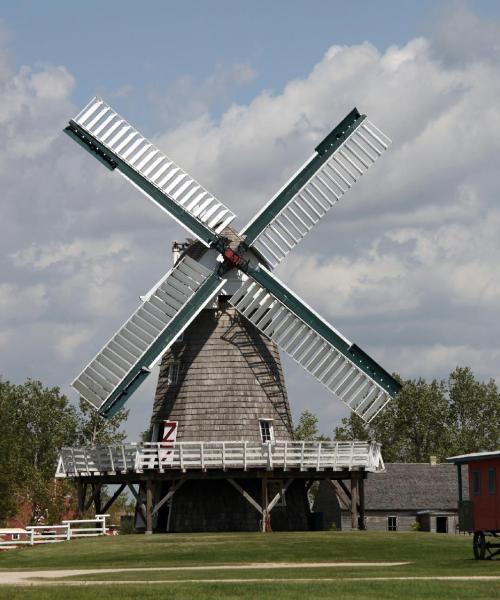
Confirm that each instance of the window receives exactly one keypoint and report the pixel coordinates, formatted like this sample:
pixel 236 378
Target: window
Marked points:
pixel 172 373
pixel 15 537
pixel 476 483
pixel 492 482
pixel 392 523
pixel 266 430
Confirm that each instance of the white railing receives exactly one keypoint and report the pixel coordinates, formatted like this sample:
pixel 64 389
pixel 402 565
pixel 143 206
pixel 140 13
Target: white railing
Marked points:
pixel 47 534
pixel 75 530
pixel 183 456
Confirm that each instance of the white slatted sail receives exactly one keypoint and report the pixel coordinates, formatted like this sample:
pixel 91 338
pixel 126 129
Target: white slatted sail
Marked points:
pixel 343 368
pixel 314 190
pixel 124 145
pixel 140 343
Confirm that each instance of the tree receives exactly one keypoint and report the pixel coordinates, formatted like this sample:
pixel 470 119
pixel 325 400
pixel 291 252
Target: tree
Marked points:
pixel 440 418
pixel 95 430
pixel 307 428
pixel 36 422
pixel 8 452
pixel 474 419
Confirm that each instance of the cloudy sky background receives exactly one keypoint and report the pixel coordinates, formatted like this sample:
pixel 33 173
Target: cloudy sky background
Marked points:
pixel 407 265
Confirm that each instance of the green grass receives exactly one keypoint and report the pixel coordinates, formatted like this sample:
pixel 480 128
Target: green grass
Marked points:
pixel 427 555
pixel 369 590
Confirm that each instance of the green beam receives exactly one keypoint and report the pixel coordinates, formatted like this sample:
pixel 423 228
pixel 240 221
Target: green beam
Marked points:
pixel 351 351
pixel 324 150
pixel 140 370
pixel 112 161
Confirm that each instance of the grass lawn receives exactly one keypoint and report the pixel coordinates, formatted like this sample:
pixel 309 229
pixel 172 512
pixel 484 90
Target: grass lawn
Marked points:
pixel 427 554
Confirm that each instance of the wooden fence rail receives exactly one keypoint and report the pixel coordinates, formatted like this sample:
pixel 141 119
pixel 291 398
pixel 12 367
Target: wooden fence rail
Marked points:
pixel 49 534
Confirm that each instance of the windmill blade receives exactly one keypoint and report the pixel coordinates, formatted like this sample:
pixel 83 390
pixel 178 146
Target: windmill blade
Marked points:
pixel 125 361
pixel 115 143
pixel 338 162
pixel 341 366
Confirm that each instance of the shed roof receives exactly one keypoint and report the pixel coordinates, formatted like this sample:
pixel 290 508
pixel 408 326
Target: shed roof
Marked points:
pixel 466 458
pixel 413 486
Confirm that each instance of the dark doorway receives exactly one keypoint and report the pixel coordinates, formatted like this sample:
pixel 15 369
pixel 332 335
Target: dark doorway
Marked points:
pixel 441 524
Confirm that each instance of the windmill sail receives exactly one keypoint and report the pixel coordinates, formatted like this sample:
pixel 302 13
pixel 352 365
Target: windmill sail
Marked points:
pixel 125 361
pixel 339 161
pixel 113 141
pixel 342 367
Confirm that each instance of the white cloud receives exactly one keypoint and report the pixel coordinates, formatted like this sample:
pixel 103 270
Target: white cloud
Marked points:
pixel 18 302
pixel 68 339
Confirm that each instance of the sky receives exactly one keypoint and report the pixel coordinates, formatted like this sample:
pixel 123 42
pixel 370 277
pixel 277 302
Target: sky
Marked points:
pixel 407 265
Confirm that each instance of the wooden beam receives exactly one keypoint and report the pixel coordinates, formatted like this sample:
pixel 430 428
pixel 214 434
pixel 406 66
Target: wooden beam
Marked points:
pixel 81 493
pixel 149 506
pixel 246 495
pixel 96 490
pixel 266 521
pixel 139 501
pixel 343 498
pixel 114 497
pixel 279 495
pixel 345 489
pixel 361 518
pixel 168 496
pixel 354 503
pixel 135 493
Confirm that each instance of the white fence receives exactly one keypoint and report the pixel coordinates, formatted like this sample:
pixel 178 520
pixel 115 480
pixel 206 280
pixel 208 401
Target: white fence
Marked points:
pixel 183 456
pixel 49 534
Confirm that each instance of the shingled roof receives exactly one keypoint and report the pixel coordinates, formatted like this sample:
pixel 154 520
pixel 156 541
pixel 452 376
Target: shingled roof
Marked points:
pixel 414 486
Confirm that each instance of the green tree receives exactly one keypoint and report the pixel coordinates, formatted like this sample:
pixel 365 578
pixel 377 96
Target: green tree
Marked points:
pixel 42 421
pixel 9 452
pixel 35 422
pixel 307 428
pixel 474 418
pixel 95 430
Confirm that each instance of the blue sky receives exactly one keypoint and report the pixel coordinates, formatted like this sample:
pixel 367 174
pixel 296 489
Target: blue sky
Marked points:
pixel 239 93
pixel 118 49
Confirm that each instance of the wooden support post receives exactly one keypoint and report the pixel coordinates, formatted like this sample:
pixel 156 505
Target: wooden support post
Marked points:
pixel 361 518
pixel 265 502
pixel 81 493
pixel 354 502
pixel 97 499
pixel 149 506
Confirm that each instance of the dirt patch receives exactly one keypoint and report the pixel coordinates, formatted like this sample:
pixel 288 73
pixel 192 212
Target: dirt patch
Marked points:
pixel 51 577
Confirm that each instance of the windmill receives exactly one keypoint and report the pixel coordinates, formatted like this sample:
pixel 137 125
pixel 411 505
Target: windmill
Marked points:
pixel 231 273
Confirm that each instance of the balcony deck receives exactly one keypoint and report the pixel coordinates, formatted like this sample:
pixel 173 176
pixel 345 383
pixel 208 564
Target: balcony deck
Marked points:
pixel 182 457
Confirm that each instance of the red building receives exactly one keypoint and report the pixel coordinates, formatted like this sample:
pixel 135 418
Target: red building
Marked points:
pixel 481 513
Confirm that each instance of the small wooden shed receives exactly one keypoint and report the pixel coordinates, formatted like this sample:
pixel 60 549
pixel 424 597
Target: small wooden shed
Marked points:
pixel 404 497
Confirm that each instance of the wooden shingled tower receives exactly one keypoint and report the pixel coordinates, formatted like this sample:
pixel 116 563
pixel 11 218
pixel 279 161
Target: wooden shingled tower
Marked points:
pixel 223 380
pixel 221 454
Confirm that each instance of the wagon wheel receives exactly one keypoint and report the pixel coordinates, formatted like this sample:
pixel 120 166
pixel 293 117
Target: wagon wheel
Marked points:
pixel 479 545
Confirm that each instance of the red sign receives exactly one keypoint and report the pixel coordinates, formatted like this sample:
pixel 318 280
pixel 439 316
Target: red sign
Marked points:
pixel 168 440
